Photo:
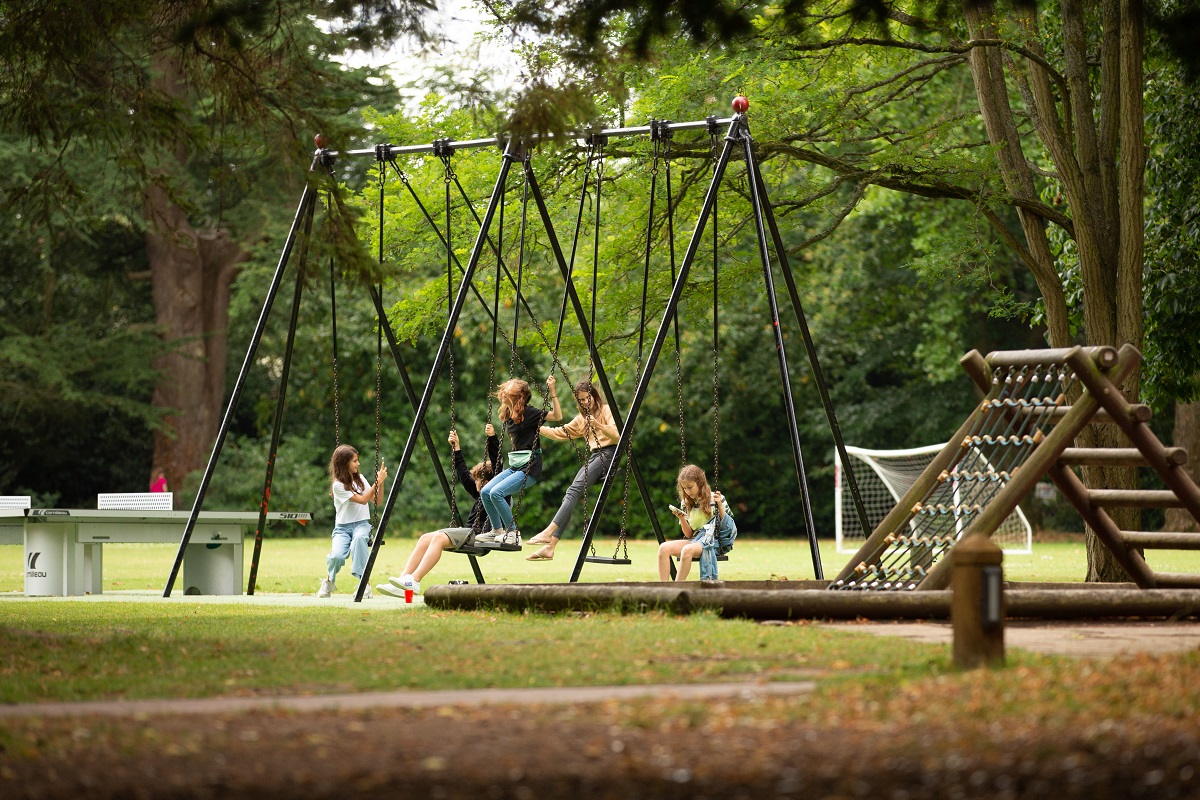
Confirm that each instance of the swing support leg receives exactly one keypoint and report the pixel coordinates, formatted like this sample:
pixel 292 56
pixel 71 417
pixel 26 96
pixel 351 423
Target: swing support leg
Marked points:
pixel 277 423
pixel 412 398
pixel 757 202
pixel 306 201
pixel 435 371
pixel 810 347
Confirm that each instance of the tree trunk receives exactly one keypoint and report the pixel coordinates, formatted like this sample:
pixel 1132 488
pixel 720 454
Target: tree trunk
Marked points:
pixel 1105 202
pixel 191 272
pixel 1187 435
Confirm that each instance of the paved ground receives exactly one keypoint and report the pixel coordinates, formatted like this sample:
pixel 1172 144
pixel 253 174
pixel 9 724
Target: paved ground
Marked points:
pixel 258 599
pixel 567 695
pixel 1080 639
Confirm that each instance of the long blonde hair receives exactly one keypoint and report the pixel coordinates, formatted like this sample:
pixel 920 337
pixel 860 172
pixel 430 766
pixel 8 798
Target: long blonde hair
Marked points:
pixel 339 469
pixel 694 474
pixel 514 395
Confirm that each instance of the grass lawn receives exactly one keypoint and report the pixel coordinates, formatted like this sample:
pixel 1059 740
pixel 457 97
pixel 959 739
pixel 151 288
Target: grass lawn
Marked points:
pixel 59 650
pixel 296 565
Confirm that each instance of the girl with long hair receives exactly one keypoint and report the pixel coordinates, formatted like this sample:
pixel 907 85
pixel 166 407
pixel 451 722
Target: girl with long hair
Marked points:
pixel 595 425
pixel 522 424
pixel 704 519
pixel 352 517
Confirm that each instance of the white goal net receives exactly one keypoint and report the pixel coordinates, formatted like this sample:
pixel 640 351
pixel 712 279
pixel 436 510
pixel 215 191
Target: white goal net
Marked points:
pixel 883 478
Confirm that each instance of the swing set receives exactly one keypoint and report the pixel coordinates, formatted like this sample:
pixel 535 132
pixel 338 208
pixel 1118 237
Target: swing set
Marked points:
pixel 771 251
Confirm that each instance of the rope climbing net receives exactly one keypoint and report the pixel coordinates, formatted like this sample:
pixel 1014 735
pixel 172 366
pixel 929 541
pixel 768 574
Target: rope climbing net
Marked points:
pixel 1003 432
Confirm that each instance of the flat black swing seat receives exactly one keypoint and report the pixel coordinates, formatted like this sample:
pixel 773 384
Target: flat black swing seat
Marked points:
pixel 469 550
pixel 502 548
pixel 606 560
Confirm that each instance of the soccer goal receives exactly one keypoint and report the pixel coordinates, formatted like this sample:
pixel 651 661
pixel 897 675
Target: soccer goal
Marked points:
pixel 883 478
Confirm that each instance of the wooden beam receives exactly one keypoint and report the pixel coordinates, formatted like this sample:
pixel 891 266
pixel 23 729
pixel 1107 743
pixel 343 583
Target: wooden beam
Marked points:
pixel 1162 540
pixel 1135 498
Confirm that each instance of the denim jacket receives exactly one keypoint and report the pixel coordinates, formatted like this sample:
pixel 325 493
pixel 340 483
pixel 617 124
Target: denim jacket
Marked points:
pixel 706 537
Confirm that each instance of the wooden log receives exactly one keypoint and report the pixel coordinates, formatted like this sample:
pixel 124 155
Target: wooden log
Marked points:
pixel 1117 457
pixel 1084 602
pixel 1176 580
pixel 1057 413
pixel 1135 498
pixel 1101 523
pixel 560 597
pixel 1162 540
pixel 1102 357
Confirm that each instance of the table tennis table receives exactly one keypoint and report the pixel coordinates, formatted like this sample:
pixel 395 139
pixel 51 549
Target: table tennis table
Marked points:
pixel 64 547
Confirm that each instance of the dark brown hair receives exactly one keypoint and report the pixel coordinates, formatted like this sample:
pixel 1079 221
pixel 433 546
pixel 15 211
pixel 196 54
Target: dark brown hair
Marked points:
pixel 339 469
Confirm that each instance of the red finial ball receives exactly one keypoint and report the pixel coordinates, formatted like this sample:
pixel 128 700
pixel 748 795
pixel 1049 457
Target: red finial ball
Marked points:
pixel 740 104
pixel 320 141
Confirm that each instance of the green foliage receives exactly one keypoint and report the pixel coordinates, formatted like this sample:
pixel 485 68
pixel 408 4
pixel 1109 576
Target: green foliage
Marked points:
pixel 1172 276
pixel 76 347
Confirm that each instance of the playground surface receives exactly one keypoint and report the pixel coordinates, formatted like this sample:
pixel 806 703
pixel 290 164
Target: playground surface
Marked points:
pixel 731 740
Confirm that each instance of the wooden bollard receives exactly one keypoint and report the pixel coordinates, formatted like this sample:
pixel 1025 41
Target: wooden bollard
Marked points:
pixel 977 603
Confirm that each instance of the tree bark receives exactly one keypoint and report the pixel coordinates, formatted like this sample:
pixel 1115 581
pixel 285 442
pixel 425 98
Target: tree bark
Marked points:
pixel 191 274
pixel 1187 435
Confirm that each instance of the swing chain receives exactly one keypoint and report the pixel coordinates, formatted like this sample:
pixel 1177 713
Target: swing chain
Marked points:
pixel 714 154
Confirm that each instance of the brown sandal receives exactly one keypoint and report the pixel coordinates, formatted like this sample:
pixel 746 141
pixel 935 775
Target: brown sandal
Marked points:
pixel 541 555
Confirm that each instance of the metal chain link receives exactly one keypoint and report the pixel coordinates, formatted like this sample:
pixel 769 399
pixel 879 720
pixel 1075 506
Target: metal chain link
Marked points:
pixel 712 145
pixel 448 179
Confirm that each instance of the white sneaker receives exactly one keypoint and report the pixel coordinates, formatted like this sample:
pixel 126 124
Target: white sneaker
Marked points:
pixel 489 537
pixel 367 592
pixel 327 588
pixel 395 587
pixel 510 538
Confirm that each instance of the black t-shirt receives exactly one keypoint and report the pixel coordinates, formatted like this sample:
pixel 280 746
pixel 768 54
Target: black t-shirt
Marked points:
pixel 523 435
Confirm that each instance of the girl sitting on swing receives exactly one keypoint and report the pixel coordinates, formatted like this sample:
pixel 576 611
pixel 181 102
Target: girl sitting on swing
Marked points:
pixel 596 425
pixel 521 422
pixel 704 519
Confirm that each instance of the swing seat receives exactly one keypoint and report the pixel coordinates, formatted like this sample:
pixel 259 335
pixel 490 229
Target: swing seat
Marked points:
pixel 502 548
pixel 607 560
pixel 470 550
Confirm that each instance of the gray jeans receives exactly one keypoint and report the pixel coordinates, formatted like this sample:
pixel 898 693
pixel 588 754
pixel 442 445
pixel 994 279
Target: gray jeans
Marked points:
pixel 591 472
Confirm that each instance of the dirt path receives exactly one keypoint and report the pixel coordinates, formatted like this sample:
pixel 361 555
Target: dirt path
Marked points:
pixel 1075 639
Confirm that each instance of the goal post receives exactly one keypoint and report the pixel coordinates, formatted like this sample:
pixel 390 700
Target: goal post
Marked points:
pixel 883 478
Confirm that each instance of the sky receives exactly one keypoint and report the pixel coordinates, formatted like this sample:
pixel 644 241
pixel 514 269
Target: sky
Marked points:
pixel 457 23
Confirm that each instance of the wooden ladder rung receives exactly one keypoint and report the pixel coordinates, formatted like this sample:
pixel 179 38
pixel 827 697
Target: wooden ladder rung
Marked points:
pixel 1162 540
pixel 1117 457
pixel 1135 498
pixel 1138 411
pixel 1176 580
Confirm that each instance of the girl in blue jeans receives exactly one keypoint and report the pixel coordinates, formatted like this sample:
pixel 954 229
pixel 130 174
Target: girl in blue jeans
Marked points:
pixel 524 459
pixel 352 516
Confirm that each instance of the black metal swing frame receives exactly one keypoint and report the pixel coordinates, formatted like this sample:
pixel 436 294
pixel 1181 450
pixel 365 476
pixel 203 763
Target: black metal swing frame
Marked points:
pixel 737 134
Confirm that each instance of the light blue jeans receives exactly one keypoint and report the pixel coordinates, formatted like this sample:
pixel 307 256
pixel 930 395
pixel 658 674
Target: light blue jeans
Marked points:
pixel 495 496
pixel 706 537
pixel 350 539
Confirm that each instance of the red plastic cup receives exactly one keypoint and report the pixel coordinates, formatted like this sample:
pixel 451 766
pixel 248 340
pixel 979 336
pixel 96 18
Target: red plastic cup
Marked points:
pixel 408 595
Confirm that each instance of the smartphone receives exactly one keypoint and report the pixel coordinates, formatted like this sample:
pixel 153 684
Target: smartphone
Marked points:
pixel 676 510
